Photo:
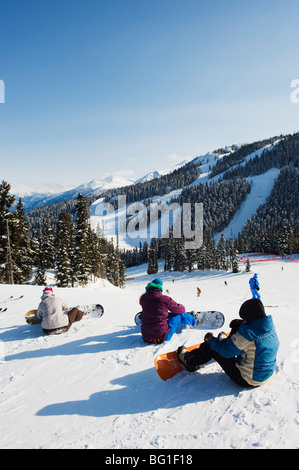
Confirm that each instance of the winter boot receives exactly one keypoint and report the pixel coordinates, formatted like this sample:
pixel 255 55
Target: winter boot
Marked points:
pixel 181 355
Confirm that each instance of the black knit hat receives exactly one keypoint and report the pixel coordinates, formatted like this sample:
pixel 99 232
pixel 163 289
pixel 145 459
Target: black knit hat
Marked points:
pixel 252 310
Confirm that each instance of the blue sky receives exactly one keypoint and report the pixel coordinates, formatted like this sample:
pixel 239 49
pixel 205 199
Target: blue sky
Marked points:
pixel 103 86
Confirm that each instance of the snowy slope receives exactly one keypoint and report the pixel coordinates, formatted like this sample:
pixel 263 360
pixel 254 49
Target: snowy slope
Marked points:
pixel 108 219
pixel 261 187
pixel 96 386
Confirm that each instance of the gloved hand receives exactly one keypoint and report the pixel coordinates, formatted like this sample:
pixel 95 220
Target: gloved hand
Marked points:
pixel 236 323
pixel 208 337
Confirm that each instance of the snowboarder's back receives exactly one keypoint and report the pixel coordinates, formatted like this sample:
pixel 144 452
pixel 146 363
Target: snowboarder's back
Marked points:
pixel 52 311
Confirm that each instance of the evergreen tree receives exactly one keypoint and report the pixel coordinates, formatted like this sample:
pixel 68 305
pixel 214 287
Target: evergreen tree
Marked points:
pixel 234 259
pixel 64 251
pixel 201 257
pixel 6 261
pixel 122 274
pixel 169 253
pixel 210 255
pixel 49 245
pixel 221 254
pixel 40 278
pixel 21 245
pixel 283 240
pixel 144 253
pixel 110 263
pixel 82 263
pixel 96 255
pixel 180 258
pixel 152 258
pixel 190 259
pixel 115 268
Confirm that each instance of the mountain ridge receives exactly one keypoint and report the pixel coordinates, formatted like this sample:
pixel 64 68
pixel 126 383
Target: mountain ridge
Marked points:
pixel 99 186
pixel 221 179
pixel 95 187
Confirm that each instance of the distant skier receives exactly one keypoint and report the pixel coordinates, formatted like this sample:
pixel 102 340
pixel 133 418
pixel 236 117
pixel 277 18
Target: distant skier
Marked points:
pixel 254 287
pixel 198 292
pixel 53 314
pixel 247 355
pixel 161 315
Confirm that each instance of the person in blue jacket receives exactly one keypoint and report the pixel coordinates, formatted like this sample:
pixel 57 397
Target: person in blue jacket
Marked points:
pixel 247 355
pixel 254 287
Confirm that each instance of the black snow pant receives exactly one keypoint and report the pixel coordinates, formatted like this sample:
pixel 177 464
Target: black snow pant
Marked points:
pixel 205 353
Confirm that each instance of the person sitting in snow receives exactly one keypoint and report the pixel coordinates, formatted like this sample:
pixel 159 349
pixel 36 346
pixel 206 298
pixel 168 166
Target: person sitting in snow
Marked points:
pixel 53 314
pixel 254 287
pixel 247 355
pixel 157 324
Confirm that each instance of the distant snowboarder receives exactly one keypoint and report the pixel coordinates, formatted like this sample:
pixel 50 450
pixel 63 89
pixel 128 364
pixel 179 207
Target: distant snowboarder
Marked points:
pixel 198 292
pixel 254 287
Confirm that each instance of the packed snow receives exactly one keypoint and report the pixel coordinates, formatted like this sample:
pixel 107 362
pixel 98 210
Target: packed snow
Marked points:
pixel 96 385
pixel 261 187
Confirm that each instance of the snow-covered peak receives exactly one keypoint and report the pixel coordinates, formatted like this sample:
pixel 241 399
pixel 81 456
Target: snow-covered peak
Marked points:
pixel 158 173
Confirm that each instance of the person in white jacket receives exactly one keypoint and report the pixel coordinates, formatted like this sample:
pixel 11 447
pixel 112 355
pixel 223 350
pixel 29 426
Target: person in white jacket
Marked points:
pixel 53 313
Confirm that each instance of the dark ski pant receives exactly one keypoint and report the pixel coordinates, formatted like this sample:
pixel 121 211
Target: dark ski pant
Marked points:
pixel 74 315
pixel 205 353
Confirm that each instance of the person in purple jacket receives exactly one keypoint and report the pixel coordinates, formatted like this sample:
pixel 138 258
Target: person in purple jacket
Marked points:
pixel 161 315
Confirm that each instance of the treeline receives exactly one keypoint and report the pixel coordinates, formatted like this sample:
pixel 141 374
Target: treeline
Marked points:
pixel 26 240
pixel 274 228
pixel 36 217
pixel 237 156
pixel 175 257
pixel 177 179
pixel 76 253
pixel 221 200
pixel 284 153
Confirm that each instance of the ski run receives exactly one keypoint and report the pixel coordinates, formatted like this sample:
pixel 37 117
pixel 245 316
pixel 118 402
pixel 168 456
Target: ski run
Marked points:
pixel 96 386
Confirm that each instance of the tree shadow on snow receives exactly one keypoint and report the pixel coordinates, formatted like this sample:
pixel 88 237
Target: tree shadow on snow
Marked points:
pixel 144 391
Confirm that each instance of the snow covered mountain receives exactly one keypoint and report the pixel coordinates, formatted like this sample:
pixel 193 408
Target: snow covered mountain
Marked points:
pixel 95 187
pixel 261 187
pixel 158 173
pixel 233 183
pixel 31 200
